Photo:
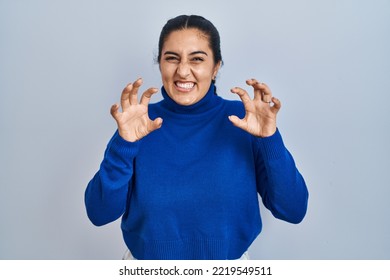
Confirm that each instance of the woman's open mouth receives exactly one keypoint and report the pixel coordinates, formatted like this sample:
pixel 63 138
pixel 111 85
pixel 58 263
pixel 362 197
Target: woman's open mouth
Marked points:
pixel 184 86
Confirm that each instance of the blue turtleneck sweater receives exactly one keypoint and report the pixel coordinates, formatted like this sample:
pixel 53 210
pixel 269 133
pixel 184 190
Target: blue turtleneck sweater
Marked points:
pixel 189 190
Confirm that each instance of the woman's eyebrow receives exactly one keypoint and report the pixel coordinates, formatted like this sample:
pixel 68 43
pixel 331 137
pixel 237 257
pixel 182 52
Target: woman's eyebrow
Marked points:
pixel 198 52
pixel 193 53
pixel 170 53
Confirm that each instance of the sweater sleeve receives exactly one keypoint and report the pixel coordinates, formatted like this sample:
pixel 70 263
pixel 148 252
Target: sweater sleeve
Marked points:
pixel 106 193
pixel 279 183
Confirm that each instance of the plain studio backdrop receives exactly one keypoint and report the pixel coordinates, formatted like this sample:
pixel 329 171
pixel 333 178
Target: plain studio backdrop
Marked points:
pixel 64 63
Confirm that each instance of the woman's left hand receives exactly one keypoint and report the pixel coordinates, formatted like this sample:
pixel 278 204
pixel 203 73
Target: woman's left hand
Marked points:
pixel 260 113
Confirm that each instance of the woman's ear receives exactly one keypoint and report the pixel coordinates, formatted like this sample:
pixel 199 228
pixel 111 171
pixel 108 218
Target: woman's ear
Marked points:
pixel 216 69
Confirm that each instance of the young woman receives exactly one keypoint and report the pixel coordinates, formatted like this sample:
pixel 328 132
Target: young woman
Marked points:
pixel 185 173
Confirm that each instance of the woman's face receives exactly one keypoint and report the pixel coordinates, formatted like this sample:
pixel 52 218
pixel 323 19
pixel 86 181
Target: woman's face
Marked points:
pixel 187 66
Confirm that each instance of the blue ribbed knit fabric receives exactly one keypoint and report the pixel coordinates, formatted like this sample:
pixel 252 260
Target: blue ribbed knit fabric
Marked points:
pixel 189 190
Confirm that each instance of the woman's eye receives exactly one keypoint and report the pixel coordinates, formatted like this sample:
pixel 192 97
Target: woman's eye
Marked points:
pixel 171 58
pixel 197 59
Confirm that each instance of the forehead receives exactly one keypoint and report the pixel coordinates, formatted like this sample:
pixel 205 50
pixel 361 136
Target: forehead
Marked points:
pixel 187 39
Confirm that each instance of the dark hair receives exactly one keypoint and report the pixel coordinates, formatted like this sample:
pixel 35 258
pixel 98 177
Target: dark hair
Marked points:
pixel 192 21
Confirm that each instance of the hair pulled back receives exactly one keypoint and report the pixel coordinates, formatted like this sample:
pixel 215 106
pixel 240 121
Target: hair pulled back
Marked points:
pixel 192 21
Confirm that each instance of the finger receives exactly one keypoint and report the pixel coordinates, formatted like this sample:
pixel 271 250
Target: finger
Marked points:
pixel 244 96
pixel 155 124
pixel 261 90
pixel 237 122
pixel 133 98
pixel 125 96
pixel 277 105
pixel 258 85
pixel 114 111
pixel 257 90
pixel 267 94
pixel 147 95
pixel 253 82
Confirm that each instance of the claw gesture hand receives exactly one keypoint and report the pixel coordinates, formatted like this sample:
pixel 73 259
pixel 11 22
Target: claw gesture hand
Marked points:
pixel 134 122
pixel 260 113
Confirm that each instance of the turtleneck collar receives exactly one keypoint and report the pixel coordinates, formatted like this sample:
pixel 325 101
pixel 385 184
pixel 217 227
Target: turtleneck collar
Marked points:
pixel 208 102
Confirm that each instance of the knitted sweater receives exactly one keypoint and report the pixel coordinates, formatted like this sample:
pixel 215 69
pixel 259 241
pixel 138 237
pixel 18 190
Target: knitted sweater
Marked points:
pixel 189 190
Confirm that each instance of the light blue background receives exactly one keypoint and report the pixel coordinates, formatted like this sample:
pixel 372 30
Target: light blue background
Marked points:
pixel 64 63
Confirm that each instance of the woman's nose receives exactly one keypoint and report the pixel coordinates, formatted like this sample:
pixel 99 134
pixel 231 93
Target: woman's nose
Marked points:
pixel 183 69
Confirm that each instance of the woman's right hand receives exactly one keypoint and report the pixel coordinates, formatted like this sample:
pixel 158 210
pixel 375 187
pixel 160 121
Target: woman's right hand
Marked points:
pixel 134 122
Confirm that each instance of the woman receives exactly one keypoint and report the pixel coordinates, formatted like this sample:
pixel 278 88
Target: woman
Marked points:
pixel 185 173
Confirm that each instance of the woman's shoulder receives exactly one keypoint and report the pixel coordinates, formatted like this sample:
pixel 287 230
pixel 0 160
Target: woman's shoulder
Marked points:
pixel 154 109
pixel 234 107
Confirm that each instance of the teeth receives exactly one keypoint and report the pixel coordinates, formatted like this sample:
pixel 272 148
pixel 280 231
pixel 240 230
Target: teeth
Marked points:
pixel 185 85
